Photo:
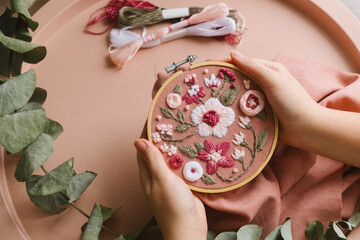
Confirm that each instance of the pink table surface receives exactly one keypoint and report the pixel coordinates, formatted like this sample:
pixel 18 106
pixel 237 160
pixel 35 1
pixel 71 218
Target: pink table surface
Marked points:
pixel 103 110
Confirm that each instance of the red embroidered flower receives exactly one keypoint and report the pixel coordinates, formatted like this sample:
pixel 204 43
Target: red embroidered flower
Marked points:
pixel 193 94
pixel 216 156
pixel 176 161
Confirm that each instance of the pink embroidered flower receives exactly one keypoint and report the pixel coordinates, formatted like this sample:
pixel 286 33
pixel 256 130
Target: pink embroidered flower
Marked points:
pixel 190 79
pixel 158 117
pixel 235 170
pixel 239 139
pixel 156 137
pixel 233 85
pixel 173 100
pixel 193 94
pixel 176 161
pixel 172 150
pixel 165 129
pixel 238 154
pixel 213 81
pixel 187 107
pixel 252 102
pixel 213 118
pixel 226 72
pixel 216 156
pixel 244 121
pixel 246 83
pixel 192 171
pixel 206 71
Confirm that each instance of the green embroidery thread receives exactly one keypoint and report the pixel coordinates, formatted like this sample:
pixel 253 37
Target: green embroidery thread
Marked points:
pixel 262 115
pixel 177 89
pixel 208 179
pixel 171 139
pixel 229 96
pixel 189 151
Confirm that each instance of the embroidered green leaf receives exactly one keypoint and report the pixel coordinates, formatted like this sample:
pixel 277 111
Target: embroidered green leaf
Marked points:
pixel 133 235
pixel 262 115
pixel 354 220
pixel 210 235
pixel 16 92
pixel 54 203
pixel 188 150
pixel 78 185
pixel 208 179
pixel 39 96
pixel 108 212
pixel 199 146
pixel 275 234
pixel 261 139
pixel 181 115
pixel 94 224
pixel 167 113
pixel 177 89
pixel 34 156
pixel 226 236
pixel 53 128
pixel 228 97
pixel 54 181
pixel 249 232
pixel 21 7
pixel 18 130
pixel 286 230
pixel 182 128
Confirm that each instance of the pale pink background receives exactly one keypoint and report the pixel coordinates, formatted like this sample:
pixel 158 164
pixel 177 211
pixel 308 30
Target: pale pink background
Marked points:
pixel 103 110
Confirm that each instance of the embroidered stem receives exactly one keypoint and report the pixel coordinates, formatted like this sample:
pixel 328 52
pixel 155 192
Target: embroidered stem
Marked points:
pixel 232 178
pixel 167 113
pixel 245 144
pixel 213 90
pixel 241 160
pixel 222 87
pixel 172 140
pixel 201 100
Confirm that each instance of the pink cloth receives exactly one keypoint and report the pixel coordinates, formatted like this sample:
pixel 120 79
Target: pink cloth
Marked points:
pixel 296 184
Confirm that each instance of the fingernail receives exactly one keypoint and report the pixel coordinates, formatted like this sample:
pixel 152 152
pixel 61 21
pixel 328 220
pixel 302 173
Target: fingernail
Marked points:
pixel 140 145
pixel 237 54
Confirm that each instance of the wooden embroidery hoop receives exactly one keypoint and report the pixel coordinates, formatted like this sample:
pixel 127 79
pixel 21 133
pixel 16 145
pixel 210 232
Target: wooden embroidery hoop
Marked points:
pixel 276 124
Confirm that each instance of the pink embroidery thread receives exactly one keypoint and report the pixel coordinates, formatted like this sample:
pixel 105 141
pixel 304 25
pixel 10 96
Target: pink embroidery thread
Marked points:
pixel 194 94
pixel 176 161
pixel 211 118
pixel 173 100
pixel 252 102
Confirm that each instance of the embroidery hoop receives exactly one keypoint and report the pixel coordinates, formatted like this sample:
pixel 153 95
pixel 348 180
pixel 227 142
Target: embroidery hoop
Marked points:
pixel 220 64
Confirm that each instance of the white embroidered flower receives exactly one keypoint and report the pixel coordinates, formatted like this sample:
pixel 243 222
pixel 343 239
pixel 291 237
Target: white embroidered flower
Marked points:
pixel 194 90
pixel 165 129
pixel 173 100
pixel 238 154
pixel 252 102
pixel 172 150
pixel 164 148
pixel 156 137
pixel 213 81
pixel 213 118
pixel 246 83
pixel 238 138
pixel 192 171
pixel 244 121
pixel 235 170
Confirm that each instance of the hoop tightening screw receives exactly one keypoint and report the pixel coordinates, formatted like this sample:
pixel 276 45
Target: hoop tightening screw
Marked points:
pixel 175 66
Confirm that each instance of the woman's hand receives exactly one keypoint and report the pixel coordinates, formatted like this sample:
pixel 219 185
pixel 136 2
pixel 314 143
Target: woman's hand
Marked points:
pixel 179 213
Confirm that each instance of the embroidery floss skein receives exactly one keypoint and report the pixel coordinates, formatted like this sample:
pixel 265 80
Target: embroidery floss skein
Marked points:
pixel 123 54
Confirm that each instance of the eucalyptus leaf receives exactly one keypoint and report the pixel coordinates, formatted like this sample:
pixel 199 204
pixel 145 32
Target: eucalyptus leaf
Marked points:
pixel 78 185
pixel 8 23
pixel 21 7
pixel 34 156
pixel 188 150
pixel 39 96
pixel 330 234
pixel 345 225
pixel 314 230
pixel 286 230
pixel 183 127
pixel 108 212
pixel 261 139
pixel 354 220
pixel 226 236
pixel 338 231
pixel 16 92
pixel 54 181
pixel 275 234
pixel 53 128
pixel 19 130
pixel 94 224
pixel 30 106
pixel 249 232
pixel 228 97
pixel 54 203
pixel 210 235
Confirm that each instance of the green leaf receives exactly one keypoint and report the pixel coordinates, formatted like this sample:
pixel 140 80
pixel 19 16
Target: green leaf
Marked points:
pixel 54 203
pixel 34 156
pixel 314 230
pixel 261 139
pixel 54 181
pixel 226 236
pixel 31 53
pixel 19 130
pixel 210 235
pixel 7 23
pixel 181 115
pixel 94 225
pixel 39 96
pixel 228 97
pixel 78 185
pixel 21 7
pixel 30 106
pixel 133 235
pixel 354 220
pixel 286 230
pixel 330 234
pixel 16 92
pixel 167 113
pixel 199 146
pixel 249 232
pixel 262 115
pixel 338 231
pixel 108 212
pixel 177 89
pixel 188 150
pixel 208 179
pixel 182 128
pixel 275 234
pixel 53 128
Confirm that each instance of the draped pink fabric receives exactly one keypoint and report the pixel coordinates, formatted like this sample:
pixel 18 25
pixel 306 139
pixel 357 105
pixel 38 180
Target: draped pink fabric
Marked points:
pixel 296 184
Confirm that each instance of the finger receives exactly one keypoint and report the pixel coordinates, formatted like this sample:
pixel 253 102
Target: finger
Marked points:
pixel 144 174
pixel 226 60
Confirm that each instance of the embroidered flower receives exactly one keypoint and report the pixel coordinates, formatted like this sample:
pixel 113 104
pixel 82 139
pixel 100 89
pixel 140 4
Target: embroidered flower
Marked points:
pixel 226 72
pixel 192 171
pixel 216 156
pixel 193 94
pixel 158 117
pixel 165 129
pixel 156 137
pixel 238 154
pixel 187 107
pixel 252 102
pixel 235 170
pixel 213 118
pixel 246 83
pixel 176 161
pixel 244 121
pixel 190 79
pixel 239 139
pixel 173 100
pixel 172 150
pixel 212 82
pixel 206 71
